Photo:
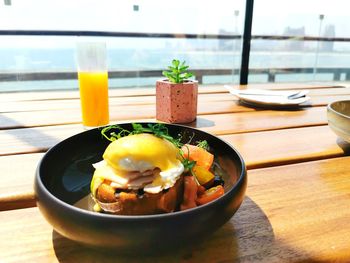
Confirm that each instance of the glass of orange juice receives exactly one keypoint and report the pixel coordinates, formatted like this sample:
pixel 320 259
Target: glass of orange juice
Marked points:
pixel 93 83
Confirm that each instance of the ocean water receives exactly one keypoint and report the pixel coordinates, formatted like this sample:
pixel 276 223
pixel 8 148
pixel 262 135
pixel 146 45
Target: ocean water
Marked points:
pixel 19 60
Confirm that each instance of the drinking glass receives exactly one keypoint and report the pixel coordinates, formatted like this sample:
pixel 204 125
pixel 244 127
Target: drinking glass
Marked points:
pixel 93 83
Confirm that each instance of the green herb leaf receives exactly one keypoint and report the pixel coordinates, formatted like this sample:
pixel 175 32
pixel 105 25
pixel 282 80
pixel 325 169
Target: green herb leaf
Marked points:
pixel 172 79
pixel 175 63
pixel 188 165
pixel 159 130
pixel 165 73
pixel 203 144
pixel 188 75
pixel 183 68
pixel 113 135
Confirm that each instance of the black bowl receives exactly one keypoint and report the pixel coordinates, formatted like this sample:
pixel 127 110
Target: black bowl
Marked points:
pixel 63 178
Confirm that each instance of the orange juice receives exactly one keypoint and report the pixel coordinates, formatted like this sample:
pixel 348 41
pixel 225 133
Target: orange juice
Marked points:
pixel 94 98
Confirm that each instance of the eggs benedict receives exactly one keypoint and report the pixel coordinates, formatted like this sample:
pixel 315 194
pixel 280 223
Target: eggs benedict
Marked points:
pixel 139 174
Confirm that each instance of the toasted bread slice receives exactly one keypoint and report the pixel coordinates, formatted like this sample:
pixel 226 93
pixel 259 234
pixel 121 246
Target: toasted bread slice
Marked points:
pixel 134 203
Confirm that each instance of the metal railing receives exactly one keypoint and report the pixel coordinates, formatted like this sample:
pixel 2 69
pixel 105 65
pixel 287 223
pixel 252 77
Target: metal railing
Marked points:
pixel 243 71
pixel 199 73
pixel 165 35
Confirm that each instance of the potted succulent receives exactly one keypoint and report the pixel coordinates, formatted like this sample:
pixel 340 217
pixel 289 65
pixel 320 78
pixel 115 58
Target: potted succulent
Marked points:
pixel 176 96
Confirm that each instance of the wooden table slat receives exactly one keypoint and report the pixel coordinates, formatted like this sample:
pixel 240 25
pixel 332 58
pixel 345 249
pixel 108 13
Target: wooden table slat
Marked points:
pixel 121 92
pixel 31 113
pixel 270 226
pixel 319 97
pixel 256 149
pixel 40 138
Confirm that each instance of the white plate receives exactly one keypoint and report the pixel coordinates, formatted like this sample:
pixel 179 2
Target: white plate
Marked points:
pixel 270 97
pixel 271 101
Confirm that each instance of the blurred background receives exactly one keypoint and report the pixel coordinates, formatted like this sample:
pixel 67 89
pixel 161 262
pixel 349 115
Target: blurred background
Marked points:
pixel 291 41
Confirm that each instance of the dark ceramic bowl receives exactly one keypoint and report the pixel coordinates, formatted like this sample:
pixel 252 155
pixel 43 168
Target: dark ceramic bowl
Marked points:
pixel 63 178
pixel 338 114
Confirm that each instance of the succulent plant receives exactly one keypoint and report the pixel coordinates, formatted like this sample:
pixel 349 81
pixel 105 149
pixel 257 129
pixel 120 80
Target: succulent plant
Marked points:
pixel 177 72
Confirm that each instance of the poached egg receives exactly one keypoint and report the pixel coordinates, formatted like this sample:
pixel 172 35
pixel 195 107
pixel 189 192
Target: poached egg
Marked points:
pixel 139 161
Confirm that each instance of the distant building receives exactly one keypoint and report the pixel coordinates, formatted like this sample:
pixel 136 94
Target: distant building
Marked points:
pixel 329 31
pixel 294 45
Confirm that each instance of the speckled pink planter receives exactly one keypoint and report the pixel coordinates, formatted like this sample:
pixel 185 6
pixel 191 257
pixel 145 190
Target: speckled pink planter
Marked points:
pixel 176 103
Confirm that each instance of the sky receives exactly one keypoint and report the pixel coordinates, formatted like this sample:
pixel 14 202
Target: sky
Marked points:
pixel 109 15
pixel 272 16
pixel 186 16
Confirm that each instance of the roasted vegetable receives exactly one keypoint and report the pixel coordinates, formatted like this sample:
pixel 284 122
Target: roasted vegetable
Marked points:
pixel 190 193
pixel 199 155
pixel 210 195
pixel 203 176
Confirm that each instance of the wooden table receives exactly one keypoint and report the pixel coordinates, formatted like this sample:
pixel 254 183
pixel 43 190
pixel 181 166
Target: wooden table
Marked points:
pixel 297 205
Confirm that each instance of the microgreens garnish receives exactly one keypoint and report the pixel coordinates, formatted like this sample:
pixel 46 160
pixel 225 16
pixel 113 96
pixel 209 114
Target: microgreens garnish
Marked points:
pixel 113 135
pixel 203 144
pixel 177 72
pixel 158 129
pixel 187 163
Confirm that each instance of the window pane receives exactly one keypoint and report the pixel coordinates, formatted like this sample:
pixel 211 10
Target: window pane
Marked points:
pixel 300 41
pixel 144 38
